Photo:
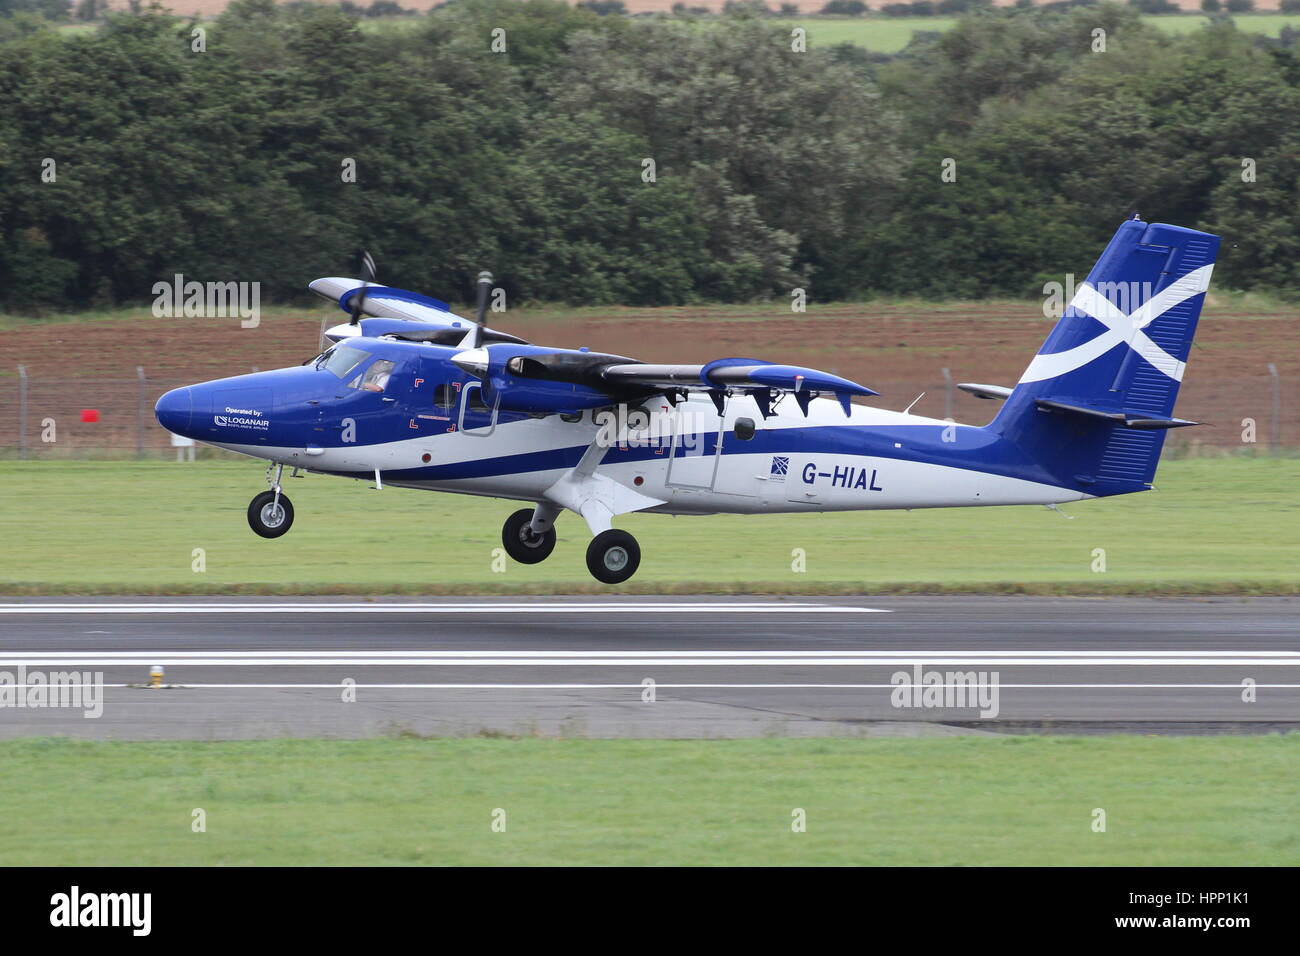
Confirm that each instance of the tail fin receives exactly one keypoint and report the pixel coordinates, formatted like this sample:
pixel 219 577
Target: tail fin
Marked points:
pixel 1093 407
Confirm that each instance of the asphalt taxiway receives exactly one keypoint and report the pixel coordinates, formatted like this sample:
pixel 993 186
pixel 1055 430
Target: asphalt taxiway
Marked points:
pixel 655 666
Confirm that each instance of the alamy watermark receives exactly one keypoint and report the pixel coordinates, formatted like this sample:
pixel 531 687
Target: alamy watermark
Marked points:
pixel 637 427
pixel 76 908
pixel 1128 297
pixel 76 690
pixel 950 690
pixel 208 300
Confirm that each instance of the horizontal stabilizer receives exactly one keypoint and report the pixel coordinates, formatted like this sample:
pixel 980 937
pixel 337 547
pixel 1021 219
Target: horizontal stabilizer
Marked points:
pixel 1126 417
pixel 986 391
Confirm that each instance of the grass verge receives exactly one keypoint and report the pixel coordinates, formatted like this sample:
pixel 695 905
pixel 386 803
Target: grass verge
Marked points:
pixel 1190 801
pixel 1215 526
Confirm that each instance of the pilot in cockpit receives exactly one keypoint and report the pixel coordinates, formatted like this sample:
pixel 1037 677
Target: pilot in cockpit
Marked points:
pixel 377 376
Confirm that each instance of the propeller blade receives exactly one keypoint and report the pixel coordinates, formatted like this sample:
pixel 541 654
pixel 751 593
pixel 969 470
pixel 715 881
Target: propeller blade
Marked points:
pixel 475 338
pixel 359 300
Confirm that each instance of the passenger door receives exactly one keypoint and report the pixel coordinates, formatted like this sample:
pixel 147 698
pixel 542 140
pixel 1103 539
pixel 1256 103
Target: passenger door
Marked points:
pixel 696 445
pixel 475 416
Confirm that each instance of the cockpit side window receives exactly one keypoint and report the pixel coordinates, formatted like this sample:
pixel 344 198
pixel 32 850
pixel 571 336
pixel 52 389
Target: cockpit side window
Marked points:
pixel 342 359
pixel 376 377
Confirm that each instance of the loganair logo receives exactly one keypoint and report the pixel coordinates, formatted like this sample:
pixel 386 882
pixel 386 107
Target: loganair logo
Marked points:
pixel 1121 328
pixel 241 418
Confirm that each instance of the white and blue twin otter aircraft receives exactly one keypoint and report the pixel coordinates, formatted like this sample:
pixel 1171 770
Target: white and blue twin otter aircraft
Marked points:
pixel 414 396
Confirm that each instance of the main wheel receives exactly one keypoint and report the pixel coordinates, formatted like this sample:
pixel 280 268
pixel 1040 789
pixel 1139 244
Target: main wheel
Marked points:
pixel 613 556
pixel 267 518
pixel 522 543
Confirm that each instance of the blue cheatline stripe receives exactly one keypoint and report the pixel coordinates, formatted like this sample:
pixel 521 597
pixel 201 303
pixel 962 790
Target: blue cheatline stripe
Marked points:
pixel 973 449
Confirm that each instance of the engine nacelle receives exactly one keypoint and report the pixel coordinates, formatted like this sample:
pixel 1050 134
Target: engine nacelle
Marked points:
pixel 529 378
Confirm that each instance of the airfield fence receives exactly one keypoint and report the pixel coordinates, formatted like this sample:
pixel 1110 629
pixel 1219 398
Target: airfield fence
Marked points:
pixel 42 418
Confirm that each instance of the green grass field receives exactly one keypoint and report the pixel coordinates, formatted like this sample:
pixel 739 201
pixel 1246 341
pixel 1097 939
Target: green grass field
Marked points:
pixel 888 35
pixel 883 35
pixel 1227 526
pixel 878 34
pixel 1187 801
pixel 1240 305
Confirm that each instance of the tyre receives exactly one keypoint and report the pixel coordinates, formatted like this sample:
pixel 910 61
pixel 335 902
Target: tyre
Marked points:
pixel 613 556
pixel 521 543
pixel 267 518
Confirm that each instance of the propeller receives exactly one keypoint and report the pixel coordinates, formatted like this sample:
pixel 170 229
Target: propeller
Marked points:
pixel 474 338
pixel 359 300
pixel 358 303
pixel 472 357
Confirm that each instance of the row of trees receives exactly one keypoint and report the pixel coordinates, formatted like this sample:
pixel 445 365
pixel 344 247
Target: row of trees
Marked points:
pixel 600 159
pixel 947 8
pixel 87 10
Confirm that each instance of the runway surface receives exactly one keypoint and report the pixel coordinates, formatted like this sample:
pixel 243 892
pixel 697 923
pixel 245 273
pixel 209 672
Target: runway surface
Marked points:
pixel 650 667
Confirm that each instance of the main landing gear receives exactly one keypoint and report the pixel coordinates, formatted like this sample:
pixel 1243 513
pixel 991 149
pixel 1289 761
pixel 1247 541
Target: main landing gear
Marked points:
pixel 612 557
pixel 270 514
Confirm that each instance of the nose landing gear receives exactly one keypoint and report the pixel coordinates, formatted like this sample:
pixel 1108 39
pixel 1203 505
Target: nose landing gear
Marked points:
pixel 268 517
pixel 270 513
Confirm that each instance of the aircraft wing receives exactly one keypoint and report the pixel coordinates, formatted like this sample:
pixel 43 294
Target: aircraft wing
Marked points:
pixel 386 302
pixel 399 312
pixel 761 379
pixel 504 361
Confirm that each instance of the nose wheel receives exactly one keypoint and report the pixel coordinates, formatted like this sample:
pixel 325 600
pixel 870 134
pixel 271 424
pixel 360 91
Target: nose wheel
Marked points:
pixel 523 543
pixel 613 556
pixel 268 517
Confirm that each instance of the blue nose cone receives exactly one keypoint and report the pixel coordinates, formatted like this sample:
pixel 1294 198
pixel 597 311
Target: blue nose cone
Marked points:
pixel 174 411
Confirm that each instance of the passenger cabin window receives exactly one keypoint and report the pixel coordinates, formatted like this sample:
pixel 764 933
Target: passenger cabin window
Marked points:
pixel 444 397
pixel 376 377
pixel 475 400
pixel 745 428
pixel 342 359
pixel 638 420
pixel 570 416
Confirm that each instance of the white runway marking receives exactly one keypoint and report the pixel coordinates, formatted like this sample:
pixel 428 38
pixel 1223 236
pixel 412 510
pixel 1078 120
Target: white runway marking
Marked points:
pixel 643 659
pixel 614 656
pixel 698 607
pixel 664 686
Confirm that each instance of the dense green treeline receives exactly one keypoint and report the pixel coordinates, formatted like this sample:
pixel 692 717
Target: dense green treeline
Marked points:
pixel 128 155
